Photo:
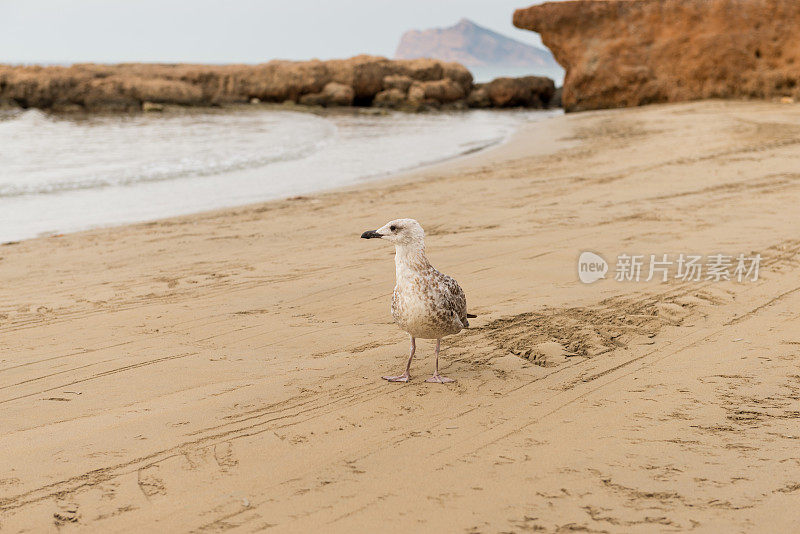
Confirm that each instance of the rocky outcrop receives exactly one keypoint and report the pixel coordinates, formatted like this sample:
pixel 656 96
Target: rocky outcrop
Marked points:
pixel 473 46
pixel 528 91
pixel 361 81
pixel 333 94
pixel 632 52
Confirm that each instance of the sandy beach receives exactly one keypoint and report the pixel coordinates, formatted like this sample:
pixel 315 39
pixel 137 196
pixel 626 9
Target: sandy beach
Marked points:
pixel 221 371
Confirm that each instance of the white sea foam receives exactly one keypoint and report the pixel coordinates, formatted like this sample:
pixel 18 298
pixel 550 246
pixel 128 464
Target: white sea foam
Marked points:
pixel 65 174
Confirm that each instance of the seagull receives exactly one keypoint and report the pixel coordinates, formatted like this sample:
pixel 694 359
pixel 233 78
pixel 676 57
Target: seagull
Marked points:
pixel 425 303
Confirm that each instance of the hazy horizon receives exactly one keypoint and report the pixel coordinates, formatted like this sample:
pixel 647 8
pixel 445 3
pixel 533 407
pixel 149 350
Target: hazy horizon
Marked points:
pixel 244 31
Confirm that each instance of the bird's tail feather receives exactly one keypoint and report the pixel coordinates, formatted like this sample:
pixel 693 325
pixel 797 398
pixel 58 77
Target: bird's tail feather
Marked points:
pixel 471 315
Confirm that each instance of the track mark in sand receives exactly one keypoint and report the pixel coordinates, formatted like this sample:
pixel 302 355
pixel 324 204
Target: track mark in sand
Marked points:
pixel 757 309
pixel 372 502
pixel 223 454
pixel 656 355
pixel 66 371
pixel 112 346
pixel 170 281
pixel 369 346
pixel 663 497
pixel 597 515
pixel 615 309
pixel 68 355
pixel 67 513
pixel 701 336
pixel 149 482
pixel 224 522
pixel 103 375
pixel 694 339
pixel 592 330
pixel 120 510
pixel 296 406
pixel 766 183
pixel 92 478
pixel 130 303
pixel 617 322
pixel 789 488
pixel 252 312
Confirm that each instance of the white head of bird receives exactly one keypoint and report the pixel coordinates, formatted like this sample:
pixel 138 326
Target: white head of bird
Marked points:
pixel 408 238
pixel 402 232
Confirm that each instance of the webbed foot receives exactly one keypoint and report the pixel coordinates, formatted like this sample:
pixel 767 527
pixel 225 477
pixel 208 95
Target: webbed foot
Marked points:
pixel 439 379
pixel 405 377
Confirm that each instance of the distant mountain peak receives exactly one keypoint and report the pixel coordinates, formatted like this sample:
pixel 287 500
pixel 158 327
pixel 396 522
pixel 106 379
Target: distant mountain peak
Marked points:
pixel 473 46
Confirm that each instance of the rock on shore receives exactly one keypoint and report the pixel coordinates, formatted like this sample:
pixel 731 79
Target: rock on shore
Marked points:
pixel 621 53
pixel 360 81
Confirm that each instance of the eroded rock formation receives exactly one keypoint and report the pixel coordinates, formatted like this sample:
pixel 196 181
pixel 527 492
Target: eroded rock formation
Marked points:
pixel 362 80
pixel 621 53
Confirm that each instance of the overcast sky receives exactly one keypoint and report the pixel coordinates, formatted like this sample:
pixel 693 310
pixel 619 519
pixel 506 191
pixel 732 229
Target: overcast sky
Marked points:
pixel 205 31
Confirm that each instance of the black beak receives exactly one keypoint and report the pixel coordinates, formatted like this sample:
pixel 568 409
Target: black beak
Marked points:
pixel 371 234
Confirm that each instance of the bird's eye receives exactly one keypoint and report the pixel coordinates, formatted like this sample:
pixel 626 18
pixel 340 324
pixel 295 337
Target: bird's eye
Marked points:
pixel 392 228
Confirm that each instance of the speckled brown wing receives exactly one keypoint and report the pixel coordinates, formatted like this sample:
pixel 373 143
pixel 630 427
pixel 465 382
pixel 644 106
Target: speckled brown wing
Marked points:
pixel 454 298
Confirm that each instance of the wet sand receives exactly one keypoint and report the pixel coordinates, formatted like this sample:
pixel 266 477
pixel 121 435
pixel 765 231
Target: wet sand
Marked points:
pixel 221 371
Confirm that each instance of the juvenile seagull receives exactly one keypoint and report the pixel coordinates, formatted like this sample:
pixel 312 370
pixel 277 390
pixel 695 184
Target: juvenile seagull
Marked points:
pixel 426 303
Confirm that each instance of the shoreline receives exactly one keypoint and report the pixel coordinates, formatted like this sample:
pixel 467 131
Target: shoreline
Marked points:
pixel 222 370
pixel 359 181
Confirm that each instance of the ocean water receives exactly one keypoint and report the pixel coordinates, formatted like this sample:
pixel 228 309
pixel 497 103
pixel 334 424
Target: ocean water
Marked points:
pixel 61 174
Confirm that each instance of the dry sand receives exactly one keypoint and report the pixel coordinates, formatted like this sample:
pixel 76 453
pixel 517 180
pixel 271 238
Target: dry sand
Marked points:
pixel 222 371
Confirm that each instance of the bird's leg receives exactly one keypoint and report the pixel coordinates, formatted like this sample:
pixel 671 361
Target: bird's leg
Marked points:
pixel 405 377
pixel 436 376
